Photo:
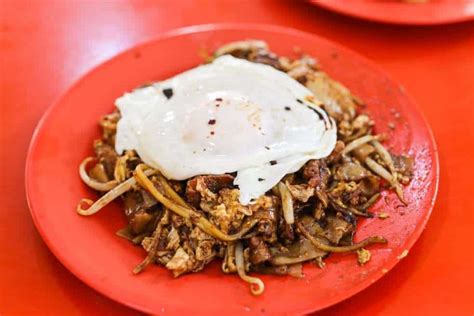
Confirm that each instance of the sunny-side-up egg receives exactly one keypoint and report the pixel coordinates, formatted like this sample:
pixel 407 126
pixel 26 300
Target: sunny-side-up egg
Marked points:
pixel 231 115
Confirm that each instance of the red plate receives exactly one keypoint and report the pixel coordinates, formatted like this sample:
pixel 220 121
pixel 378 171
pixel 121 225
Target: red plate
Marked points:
pixel 398 12
pixel 89 248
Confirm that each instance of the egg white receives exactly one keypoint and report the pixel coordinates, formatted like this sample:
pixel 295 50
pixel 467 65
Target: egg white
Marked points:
pixel 231 115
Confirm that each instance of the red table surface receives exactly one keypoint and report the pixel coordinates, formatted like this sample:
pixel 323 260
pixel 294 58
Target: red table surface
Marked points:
pixel 47 45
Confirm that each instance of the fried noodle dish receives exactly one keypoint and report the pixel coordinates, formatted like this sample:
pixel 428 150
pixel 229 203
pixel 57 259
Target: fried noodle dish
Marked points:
pixel 308 214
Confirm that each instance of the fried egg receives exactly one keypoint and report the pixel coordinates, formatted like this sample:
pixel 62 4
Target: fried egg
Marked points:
pixel 228 116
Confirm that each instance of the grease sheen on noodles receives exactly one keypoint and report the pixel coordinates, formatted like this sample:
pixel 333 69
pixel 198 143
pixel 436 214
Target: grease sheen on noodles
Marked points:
pixel 228 116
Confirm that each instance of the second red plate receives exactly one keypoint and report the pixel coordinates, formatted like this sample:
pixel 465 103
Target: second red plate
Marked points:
pixel 399 12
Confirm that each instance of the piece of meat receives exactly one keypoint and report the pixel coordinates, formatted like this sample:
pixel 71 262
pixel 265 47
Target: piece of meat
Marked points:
pixel 107 156
pixel 192 195
pixel 336 154
pixel 316 173
pixel 259 251
pixel 195 187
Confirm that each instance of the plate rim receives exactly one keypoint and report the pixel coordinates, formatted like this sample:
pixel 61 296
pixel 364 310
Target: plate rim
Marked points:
pixel 393 21
pixel 272 28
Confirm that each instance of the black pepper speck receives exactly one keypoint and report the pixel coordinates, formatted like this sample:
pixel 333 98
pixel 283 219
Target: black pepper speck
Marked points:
pixel 168 92
pixel 320 116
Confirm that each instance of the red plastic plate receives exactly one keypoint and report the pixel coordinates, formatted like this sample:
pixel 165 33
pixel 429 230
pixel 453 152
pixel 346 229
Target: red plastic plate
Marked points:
pixel 89 248
pixel 398 12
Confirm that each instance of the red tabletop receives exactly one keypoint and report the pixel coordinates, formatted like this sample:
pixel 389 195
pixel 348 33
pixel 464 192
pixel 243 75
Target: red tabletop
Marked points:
pixel 47 45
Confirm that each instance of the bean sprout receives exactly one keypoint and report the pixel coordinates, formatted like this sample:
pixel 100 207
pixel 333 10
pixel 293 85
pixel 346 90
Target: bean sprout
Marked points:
pixel 286 203
pixel 256 285
pixel 94 184
pixel 117 191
